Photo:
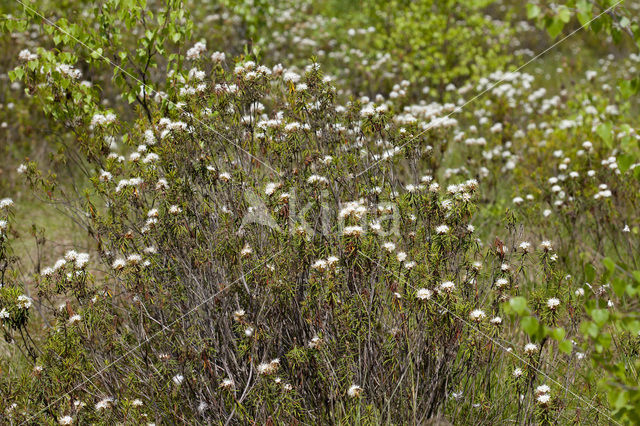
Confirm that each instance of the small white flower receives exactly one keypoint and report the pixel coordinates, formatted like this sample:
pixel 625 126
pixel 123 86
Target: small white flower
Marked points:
pixel 447 287
pixel 24 301
pixel 501 282
pixel 238 315
pixel 389 246
pixel 354 231
pixel 546 245
pixel 477 315
pixel 424 294
pixel 530 348
pixel 227 384
pixel 553 303
pixel 271 188
pixel 66 420
pixel 315 342
pixel 542 389
pixel 543 399
pixel 268 367
pixel 6 203
pixel 75 318
pixel 246 250
pixel 119 264
pixel 105 403
pixel 442 229
pixel 354 391
pixel 496 321
pixel 81 260
pixel 178 379
pixel 517 372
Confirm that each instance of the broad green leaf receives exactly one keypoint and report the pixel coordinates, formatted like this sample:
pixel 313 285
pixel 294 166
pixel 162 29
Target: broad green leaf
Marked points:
pixel 564 14
pixel 589 328
pixel 530 325
pixel 533 11
pixel 555 27
pixel 600 316
pixel 565 346
pixel 619 286
pixel 609 264
pixel 558 333
pixel 604 131
pixel 519 305
pixel 589 272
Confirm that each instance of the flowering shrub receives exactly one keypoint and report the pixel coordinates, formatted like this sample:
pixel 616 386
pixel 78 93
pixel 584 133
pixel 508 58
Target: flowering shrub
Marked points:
pixel 300 243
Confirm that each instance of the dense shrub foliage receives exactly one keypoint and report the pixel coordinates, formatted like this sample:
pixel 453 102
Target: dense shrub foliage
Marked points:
pixel 299 212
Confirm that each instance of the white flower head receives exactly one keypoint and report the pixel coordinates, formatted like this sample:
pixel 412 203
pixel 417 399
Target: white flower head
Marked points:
pixel 543 399
pixel 477 315
pixel 227 384
pixel 104 403
pixel 66 420
pixel 442 229
pixel 553 303
pixel 354 391
pixel 447 287
pixel 424 294
pixel 542 389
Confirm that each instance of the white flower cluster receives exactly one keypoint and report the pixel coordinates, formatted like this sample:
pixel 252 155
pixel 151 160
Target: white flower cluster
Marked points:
pixel 197 50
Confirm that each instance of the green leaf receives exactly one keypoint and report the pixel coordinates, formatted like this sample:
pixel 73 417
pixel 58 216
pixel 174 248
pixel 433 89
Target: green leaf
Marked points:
pixel 519 305
pixel 17 74
pixel 565 346
pixel 589 328
pixel 618 286
pixel 600 316
pixel 533 11
pixel 589 272
pixel 604 131
pixel 555 27
pixel 564 14
pixel 624 162
pixel 97 53
pixel 557 333
pixel 530 325
pixel 609 264
pixel 633 326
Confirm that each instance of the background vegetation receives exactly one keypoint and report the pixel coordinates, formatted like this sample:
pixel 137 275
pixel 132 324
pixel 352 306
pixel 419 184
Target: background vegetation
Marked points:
pixel 251 211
